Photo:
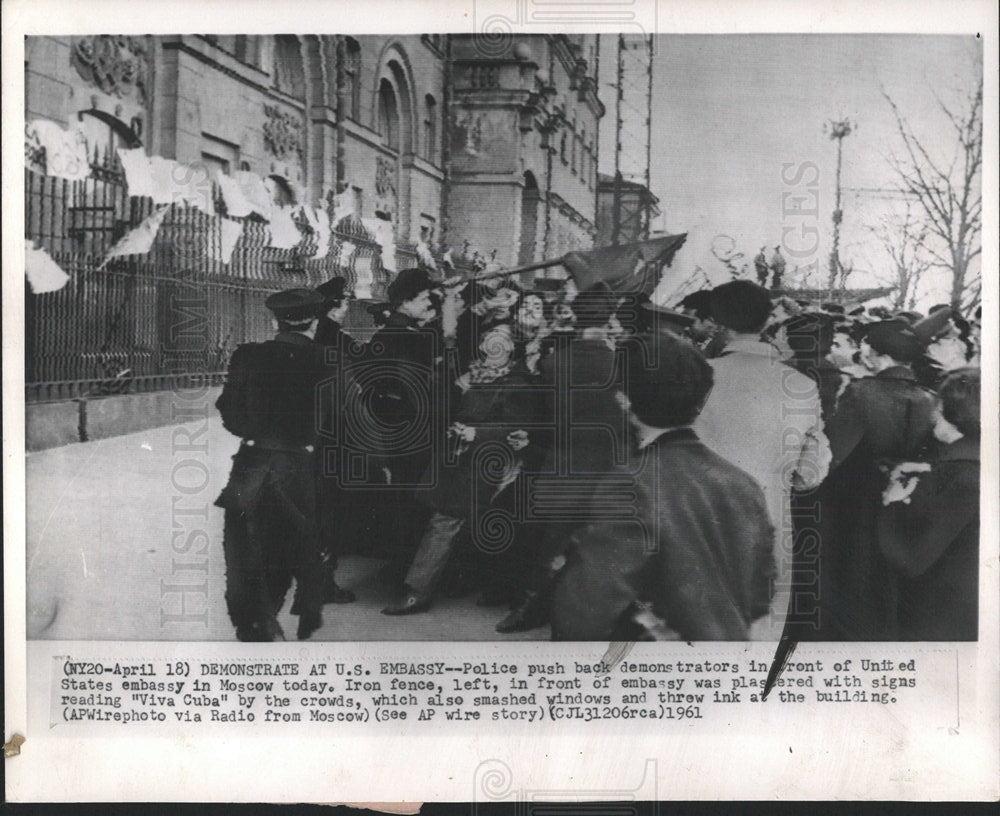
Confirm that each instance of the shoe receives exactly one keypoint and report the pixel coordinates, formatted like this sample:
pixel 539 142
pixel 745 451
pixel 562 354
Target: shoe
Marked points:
pixel 411 604
pixel 337 595
pixel 308 624
pixel 530 614
pixel 258 632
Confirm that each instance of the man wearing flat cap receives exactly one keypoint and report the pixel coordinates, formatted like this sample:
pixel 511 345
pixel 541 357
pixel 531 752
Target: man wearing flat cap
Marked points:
pixel 880 421
pixel 271 534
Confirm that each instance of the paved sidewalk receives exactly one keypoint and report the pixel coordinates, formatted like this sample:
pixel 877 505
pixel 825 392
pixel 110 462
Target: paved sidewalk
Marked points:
pixel 124 543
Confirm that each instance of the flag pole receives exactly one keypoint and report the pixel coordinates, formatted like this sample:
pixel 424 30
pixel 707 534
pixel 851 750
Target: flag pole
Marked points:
pixel 501 273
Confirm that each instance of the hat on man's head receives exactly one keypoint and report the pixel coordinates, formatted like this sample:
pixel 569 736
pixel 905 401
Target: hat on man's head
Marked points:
pixel 741 306
pixel 668 380
pixel 594 307
pixel 700 303
pixel 295 305
pixel 896 338
pixel 334 290
pixel 810 333
pixel 407 285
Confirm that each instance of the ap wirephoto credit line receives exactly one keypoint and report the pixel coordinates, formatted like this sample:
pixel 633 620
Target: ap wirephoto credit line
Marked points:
pixel 556 375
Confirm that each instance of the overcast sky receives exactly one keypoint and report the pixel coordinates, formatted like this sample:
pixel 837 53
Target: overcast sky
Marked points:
pixel 730 111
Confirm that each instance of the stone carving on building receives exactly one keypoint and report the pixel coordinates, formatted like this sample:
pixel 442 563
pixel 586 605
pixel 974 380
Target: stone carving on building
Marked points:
pixel 385 185
pixel 282 133
pixel 117 65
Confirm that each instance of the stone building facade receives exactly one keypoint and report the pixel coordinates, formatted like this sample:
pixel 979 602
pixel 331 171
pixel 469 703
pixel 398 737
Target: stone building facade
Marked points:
pixel 451 141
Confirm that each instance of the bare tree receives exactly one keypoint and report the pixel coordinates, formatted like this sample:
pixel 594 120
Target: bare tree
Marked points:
pixel 948 196
pixel 903 240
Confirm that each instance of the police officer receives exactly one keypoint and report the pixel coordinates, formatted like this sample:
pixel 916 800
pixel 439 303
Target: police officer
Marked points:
pixel 271 533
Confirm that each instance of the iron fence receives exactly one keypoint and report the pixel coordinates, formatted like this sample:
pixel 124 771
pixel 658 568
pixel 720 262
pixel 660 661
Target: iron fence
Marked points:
pixel 169 318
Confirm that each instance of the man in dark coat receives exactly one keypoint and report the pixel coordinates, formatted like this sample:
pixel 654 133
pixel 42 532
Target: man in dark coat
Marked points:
pixel 271 532
pixel 402 375
pixel 591 437
pixel 810 337
pixel 336 301
pixel 880 421
pixel 690 554
pixel 931 535
pixel 335 504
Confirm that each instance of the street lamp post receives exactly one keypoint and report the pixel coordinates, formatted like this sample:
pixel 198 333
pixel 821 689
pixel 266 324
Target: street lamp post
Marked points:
pixel 838 131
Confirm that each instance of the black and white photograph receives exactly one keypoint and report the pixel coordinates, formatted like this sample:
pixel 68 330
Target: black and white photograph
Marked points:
pixel 519 326
pixel 469 337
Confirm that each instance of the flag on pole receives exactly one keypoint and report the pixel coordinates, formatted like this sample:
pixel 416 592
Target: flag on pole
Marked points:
pixel 138 175
pixel 625 268
pixel 43 273
pixel 140 240
pixel 321 226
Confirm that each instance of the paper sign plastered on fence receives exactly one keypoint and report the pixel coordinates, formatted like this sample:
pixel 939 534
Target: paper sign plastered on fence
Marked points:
pixel 43 273
pixel 65 150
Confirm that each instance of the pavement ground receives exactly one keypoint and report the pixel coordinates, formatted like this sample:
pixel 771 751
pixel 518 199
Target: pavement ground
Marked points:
pixel 124 543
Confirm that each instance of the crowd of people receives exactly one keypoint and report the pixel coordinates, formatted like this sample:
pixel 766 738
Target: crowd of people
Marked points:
pixel 611 468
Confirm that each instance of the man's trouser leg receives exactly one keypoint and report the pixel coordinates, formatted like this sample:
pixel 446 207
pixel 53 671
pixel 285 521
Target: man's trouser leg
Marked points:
pixel 433 553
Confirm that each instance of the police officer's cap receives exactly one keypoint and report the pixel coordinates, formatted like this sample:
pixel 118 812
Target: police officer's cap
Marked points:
pixel 334 290
pixel 895 338
pixel 407 285
pixel 295 305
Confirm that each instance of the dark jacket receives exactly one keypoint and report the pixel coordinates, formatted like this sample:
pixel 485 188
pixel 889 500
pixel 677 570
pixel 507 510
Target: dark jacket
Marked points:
pixel 328 332
pixel 692 538
pixel 879 422
pixel 270 390
pixel 933 542
pixel 829 379
pixel 402 374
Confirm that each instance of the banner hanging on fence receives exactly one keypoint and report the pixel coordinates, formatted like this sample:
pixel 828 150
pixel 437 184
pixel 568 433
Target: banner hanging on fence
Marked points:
pixel 138 175
pixel 254 192
pixel 237 205
pixel 229 234
pixel 175 183
pixel 65 150
pixel 284 233
pixel 385 236
pixel 140 240
pixel 363 278
pixel 343 206
pixel 320 224
pixel 43 273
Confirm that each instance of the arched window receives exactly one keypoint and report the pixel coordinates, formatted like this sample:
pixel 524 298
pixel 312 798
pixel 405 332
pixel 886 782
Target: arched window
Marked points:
pixel 529 220
pixel 430 129
pixel 388 114
pixel 352 82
